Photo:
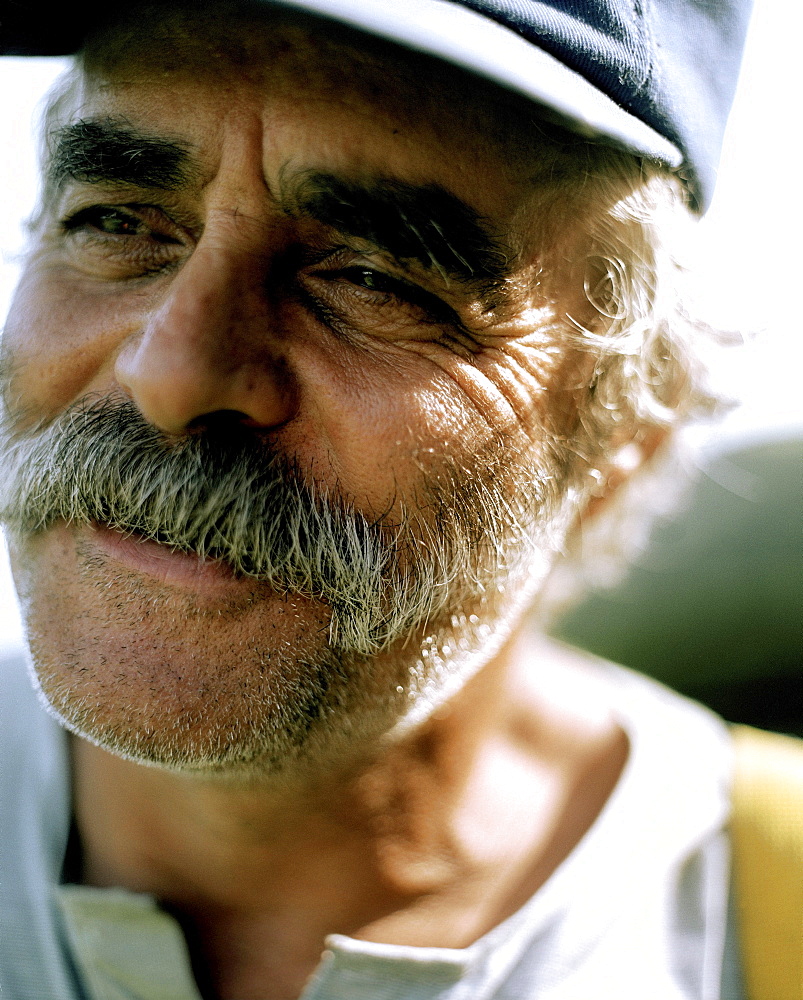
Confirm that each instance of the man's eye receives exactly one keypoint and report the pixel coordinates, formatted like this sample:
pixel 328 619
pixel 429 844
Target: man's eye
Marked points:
pixel 384 284
pixel 110 221
pixel 374 281
pixel 114 242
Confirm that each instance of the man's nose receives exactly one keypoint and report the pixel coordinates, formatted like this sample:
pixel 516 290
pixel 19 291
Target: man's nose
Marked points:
pixel 210 346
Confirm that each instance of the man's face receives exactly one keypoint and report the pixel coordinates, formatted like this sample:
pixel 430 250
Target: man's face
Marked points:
pixel 288 251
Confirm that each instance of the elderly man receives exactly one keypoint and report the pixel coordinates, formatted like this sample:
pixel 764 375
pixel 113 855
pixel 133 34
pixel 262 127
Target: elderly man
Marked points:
pixel 342 325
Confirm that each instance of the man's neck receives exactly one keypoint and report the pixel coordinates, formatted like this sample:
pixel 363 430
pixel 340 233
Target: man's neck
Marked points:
pixel 432 842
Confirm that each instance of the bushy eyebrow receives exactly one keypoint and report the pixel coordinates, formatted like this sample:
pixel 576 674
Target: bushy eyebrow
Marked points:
pixel 111 150
pixel 424 224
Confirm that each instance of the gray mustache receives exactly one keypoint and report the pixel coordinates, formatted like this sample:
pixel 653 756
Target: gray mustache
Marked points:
pixel 222 493
pixel 226 493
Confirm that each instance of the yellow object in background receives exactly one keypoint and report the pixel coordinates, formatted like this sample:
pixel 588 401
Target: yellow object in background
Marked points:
pixel 767 836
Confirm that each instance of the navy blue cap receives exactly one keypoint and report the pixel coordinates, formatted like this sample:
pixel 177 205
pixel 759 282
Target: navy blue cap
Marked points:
pixel 655 77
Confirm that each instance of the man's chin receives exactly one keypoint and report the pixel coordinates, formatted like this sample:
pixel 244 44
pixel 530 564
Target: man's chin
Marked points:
pixel 249 718
pixel 144 667
pixel 206 747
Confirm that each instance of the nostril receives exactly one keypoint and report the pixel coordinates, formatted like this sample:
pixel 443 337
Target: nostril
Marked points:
pixel 221 420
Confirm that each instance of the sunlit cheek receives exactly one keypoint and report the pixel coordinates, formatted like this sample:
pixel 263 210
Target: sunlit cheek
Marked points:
pixel 516 390
pixel 369 416
pixel 381 448
pixel 390 419
pixel 59 345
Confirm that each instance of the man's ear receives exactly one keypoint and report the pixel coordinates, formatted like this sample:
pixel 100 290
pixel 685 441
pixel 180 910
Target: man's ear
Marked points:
pixel 618 464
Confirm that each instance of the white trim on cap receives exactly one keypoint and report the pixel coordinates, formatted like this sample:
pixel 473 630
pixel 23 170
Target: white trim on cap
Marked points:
pixel 471 41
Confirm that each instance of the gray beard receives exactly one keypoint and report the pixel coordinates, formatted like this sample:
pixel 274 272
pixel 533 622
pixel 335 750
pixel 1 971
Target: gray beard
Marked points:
pixel 475 538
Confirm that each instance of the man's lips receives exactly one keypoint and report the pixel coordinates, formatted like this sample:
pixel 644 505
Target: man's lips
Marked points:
pixel 181 569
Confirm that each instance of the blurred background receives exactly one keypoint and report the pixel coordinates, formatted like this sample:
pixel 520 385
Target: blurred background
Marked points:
pixel 714 606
